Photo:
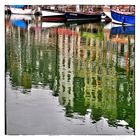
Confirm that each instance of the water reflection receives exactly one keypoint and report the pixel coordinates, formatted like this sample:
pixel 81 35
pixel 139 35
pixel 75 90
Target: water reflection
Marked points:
pixel 89 67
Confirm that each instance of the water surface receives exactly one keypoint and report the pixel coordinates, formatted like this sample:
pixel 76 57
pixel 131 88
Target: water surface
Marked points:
pixel 69 78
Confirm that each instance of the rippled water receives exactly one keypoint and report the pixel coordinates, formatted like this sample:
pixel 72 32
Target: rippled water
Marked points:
pixel 68 78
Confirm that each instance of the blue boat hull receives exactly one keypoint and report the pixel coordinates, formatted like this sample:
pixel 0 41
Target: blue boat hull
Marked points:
pixel 122 18
pixel 125 30
pixel 71 16
pixel 19 23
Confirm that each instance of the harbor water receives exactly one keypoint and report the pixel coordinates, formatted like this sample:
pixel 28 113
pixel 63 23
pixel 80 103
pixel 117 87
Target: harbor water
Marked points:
pixel 69 78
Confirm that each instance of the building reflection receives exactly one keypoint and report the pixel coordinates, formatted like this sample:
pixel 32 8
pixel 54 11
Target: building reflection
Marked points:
pixel 98 74
pixel 30 57
pixel 86 66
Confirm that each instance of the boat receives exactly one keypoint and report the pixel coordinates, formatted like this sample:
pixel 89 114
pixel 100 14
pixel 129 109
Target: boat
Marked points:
pixel 67 13
pixel 22 10
pixel 50 15
pixel 120 17
pixel 83 15
pixel 74 16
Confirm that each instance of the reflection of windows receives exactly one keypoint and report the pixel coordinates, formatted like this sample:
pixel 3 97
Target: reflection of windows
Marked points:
pixel 83 41
pixel 88 53
pixel 88 42
pixel 87 94
pixel 88 80
pixel 69 90
pixel 63 62
pixel 94 43
pixel 68 77
pixel 99 70
pixel 93 81
pixel 63 75
pixel 99 95
pixel 99 78
pixel 63 99
pixel 69 63
pixel 81 64
pixel 81 53
pixel 63 88
pixel 93 94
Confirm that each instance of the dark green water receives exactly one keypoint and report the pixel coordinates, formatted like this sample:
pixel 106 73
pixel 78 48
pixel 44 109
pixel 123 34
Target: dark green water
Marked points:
pixel 68 79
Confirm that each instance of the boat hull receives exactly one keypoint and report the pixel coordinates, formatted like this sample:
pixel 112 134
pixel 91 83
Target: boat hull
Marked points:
pixel 22 17
pixel 122 18
pixel 55 18
pixel 50 13
pixel 21 11
pixel 19 23
pixel 70 16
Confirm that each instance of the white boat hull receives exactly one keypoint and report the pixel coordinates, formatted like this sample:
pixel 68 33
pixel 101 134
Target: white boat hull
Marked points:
pixel 22 11
pixel 50 13
pixel 51 24
pixel 111 25
pixel 22 17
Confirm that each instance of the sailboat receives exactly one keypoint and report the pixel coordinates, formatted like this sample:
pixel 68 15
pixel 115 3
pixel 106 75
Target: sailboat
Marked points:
pixel 22 9
pixel 50 15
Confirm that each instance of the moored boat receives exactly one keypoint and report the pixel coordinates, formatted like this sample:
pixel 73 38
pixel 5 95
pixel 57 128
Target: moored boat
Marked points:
pixel 49 15
pixel 22 9
pixel 122 18
pixel 71 13
pixel 71 16
pixel 81 14
pixel 120 15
